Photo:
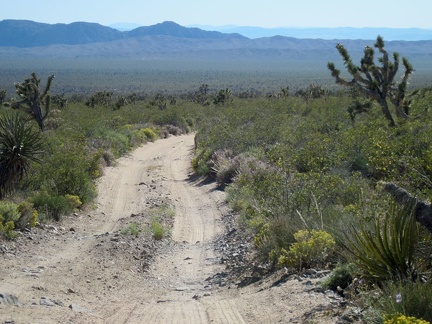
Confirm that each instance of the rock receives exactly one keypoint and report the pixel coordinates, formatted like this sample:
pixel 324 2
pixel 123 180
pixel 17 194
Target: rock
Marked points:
pixel 248 280
pixel 351 315
pixel 182 289
pixel 9 299
pixel 48 302
pixel 78 308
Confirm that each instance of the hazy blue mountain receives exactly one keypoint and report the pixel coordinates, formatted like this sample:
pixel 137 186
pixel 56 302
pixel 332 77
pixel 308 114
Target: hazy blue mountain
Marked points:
pixel 168 40
pixel 26 33
pixel 368 33
pixel 169 28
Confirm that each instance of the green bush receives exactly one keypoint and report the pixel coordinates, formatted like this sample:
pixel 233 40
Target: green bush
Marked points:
pixel 7 229
pixel 341 276
pixel 133 229
pixel 9 211
pixel 67 169
pixel 53 207
pixel 200 162
pixel 312 248
pixel 158 230
pixel 149 134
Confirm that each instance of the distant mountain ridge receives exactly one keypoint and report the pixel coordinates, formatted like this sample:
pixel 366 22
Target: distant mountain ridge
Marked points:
pixel 168 40
pixel 26 33
pixel 365 33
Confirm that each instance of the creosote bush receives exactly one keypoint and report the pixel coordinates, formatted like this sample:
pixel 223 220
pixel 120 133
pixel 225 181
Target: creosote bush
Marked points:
pixel 312 248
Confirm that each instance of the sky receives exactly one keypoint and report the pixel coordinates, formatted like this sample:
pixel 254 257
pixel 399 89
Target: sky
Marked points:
pixel 269 13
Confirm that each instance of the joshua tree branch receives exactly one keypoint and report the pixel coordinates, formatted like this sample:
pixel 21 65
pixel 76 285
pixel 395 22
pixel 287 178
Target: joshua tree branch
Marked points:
pixel 422 209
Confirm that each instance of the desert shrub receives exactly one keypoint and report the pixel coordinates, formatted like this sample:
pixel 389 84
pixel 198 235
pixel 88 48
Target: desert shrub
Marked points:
pixel 158 216
pixel 311 248
pixel 149 134
pixel 34 218
pixel 9 214
pixel 164 210
pixel 28 216
pixel 73 201
pixel 7 229
pixel 224 166
pixel 53 207
pixel 402 319
pixel 96 164
pixel 200 162
pixel 158 230
pixel 9 211
pixel 108 158
pixel 114 140
pixel 174 130
pixel 67 169
pixel 133 229
pixel 341 276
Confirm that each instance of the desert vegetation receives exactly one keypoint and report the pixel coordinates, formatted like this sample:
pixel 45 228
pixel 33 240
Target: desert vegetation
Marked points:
pixel 306 166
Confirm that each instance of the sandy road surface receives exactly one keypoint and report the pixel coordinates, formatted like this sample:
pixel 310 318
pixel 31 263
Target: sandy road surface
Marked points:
pixel 70 265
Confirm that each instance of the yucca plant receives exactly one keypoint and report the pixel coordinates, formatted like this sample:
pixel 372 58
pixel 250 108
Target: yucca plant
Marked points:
pixel 20 144
pixel 387 250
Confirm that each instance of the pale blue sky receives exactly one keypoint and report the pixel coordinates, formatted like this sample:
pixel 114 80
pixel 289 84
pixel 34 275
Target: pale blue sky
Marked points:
pixel 269 13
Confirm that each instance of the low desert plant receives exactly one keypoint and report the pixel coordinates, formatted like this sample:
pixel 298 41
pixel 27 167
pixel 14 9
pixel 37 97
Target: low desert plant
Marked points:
pixel 402 319
pixel 27 217
pixel 7 229
pixel 158 230
pixel 312 248
pixel 149 134
pixel 133 229
pixel 400 302
pixel 341 276
pixel 9 211
pixel 53 206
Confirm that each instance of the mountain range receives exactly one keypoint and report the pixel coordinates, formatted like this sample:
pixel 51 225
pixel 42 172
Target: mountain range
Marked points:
pixel 169 40
pixel 407 34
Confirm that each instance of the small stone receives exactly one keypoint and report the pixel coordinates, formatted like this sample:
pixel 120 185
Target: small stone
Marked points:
pixel 9 299
pixel 78 309
pixel 48 302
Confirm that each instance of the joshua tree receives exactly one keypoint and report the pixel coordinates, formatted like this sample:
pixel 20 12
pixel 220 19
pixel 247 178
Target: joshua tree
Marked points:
pixel 20 144
pixel 223 97
pixel 377 82
pixel 32 100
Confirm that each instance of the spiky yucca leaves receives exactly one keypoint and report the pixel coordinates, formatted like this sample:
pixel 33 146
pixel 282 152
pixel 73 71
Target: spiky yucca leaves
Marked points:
pixel 20 145
pixel 388 250
pixel 377 82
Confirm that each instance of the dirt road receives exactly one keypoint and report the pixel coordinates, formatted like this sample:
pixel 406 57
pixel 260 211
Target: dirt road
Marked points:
pixel 84 271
